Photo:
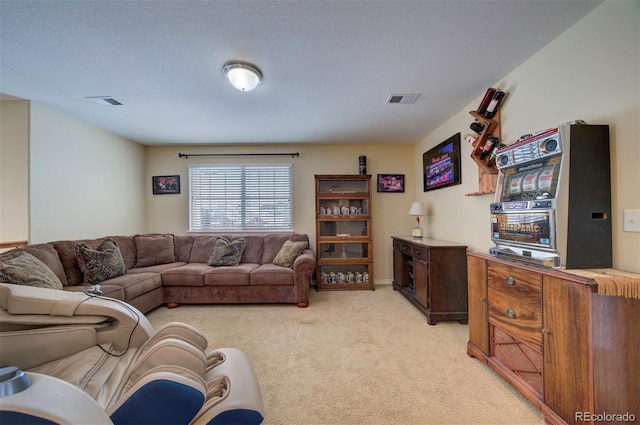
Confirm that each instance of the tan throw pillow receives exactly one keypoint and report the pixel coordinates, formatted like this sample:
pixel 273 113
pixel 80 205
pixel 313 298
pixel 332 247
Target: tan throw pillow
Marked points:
pixel 226 253
pixel 154 249
pixel 100 264
pixel 25 269
pixel 289 252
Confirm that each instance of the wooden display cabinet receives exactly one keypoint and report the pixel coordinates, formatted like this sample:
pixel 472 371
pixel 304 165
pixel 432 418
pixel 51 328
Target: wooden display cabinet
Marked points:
pixel 432 275
pixel 344 243
pixel 571 352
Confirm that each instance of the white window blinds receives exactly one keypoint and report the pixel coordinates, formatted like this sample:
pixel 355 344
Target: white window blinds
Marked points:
pixel 240 198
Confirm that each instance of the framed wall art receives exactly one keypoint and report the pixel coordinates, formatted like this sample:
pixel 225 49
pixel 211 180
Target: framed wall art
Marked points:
pixel 390 182
pixel 165 184
pixel 442 165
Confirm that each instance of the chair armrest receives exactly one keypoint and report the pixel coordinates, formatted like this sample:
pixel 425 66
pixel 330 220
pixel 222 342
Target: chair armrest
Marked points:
pixel 52 399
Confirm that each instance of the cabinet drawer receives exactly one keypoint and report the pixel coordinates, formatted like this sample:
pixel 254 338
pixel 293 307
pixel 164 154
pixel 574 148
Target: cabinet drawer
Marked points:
pixel 420 253
pixel 402 247
pixel 521 319
pixel 517 283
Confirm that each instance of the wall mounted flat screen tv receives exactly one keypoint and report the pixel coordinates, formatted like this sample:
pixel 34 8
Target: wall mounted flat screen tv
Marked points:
pixel 441 164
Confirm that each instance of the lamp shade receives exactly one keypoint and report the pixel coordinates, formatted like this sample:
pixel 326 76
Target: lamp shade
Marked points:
pixel 243 76
pixel 417 208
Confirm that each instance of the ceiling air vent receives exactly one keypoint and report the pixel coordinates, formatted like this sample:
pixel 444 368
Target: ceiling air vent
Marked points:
pixel 408 98
pixel 104 100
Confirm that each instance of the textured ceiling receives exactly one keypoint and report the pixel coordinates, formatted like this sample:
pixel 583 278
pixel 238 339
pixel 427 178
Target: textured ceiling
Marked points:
pixel 329 66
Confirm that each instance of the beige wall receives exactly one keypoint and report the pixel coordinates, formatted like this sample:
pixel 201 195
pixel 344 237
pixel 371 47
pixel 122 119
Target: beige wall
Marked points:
pixel 14 170
pixel 85 182
pixel 169 213
pixel 590 72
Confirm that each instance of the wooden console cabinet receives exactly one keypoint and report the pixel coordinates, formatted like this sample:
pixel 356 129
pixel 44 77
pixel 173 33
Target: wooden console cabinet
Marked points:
pixel 573 353
pixel 432 275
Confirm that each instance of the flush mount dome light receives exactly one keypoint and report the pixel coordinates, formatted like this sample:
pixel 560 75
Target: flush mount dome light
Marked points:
pixel 241 75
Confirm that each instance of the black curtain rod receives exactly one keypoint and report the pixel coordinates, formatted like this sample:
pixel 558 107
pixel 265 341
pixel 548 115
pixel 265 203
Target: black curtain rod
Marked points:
pixel 187 155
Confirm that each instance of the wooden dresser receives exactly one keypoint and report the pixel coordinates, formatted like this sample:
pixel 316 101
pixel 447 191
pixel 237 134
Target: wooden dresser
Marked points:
pixel 573 353
pixel 432 274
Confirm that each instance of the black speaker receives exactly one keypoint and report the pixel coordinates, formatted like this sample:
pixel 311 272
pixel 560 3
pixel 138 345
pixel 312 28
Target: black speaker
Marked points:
pixel 589 240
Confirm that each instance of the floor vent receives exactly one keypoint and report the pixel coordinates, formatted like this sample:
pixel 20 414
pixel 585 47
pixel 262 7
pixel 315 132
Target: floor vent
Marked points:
pixel 403 98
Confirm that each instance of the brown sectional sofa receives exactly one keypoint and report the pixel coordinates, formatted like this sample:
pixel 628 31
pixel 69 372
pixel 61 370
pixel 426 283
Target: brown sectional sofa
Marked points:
pixel 164 268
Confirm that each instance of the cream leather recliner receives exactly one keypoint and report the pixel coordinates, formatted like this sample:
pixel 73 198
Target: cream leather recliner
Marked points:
pixel 92 359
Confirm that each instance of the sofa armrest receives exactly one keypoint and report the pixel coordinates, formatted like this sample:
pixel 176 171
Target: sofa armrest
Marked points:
pixel 303 268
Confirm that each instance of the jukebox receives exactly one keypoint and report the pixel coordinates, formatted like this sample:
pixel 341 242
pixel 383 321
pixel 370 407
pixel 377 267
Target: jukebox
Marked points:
pixel 552 203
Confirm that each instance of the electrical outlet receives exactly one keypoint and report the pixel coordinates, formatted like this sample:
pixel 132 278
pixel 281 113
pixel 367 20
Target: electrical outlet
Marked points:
pixel 631 220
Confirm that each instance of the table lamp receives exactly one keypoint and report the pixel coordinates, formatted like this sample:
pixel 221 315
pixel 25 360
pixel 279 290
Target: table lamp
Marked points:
pixel 417 209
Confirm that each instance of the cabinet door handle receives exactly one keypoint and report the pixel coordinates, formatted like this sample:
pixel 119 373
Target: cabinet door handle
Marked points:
pixel 511 313
pixel 511 280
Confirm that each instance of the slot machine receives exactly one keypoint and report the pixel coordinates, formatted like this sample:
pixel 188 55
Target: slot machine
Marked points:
pixel 552 204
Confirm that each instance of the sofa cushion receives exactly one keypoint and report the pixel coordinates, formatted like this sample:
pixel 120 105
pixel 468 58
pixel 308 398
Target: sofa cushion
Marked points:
pixel 274 241
pixel 100 264
pixel 22 268
pixel 202 248
pixel 226 253
pixel 69 258
pixel 289 252
pixel 154 249
pixel 183 245
pixel 46 253
pixel 253 248
pixel 271 275
pixel 230 276
pixel 111 291
pixel 191 274
pixel 158 268
pixel 127 247
pixel 135 284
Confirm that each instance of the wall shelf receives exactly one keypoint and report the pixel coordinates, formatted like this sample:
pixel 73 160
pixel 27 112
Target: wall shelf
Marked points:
pixel 487 174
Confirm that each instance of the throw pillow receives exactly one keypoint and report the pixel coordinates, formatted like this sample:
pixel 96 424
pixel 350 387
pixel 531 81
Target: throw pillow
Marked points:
pixel 226 253
pixel 25 269
pixel 289 252
pixel 100 264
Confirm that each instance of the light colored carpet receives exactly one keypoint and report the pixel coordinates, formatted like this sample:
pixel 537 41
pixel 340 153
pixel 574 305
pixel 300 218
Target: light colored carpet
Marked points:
pixel 358 357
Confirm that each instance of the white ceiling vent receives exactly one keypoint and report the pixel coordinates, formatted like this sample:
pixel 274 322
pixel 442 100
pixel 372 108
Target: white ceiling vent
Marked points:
pixel 104 100
pixel 407 98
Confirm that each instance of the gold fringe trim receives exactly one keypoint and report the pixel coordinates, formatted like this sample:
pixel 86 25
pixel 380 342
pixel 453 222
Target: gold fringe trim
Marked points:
pixel 613 282
pixel 618 287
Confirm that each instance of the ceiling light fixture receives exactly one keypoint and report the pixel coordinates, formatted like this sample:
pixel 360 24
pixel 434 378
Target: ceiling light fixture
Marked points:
pixel 242 75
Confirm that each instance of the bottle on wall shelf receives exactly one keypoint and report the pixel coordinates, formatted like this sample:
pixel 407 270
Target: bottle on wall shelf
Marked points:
pixel 486 100
pixel 486 149
pixel 477 127
pixel 493 105
pixel 492 156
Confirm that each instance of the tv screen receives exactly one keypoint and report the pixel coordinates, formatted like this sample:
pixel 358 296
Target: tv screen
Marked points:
pixel 441 164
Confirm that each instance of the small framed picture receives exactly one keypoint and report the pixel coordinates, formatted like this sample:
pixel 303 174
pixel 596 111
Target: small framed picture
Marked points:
pixel 165 184
pixel 390 182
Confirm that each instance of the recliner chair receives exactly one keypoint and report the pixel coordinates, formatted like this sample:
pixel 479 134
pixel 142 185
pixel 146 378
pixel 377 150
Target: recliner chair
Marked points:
pixel 92 359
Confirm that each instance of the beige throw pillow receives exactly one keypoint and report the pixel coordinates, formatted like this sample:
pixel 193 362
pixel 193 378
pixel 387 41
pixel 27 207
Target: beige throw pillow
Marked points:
pixel 288 253
pixel 25 269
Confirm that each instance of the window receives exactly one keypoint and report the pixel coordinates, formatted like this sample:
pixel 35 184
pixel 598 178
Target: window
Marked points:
pixel 240 198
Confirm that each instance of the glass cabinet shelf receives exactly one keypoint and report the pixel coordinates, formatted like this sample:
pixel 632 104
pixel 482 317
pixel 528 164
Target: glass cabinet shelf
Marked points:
pixel 343 251
pixel 340 187
pixel 343 228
